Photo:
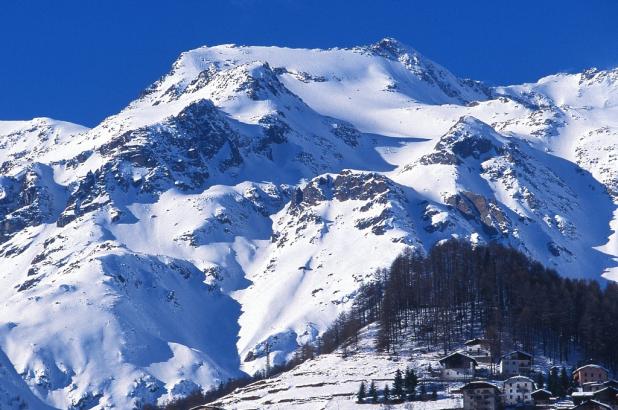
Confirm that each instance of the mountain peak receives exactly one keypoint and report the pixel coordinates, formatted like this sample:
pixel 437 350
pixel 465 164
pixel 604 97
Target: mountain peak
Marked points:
pixel 393 49
pixel 391 46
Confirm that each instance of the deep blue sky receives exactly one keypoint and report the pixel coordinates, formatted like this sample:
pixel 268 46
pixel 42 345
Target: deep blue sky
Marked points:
pixel 81 60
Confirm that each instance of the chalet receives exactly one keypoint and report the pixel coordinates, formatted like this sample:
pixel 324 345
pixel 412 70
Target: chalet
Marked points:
pixel 581 396
pixel 457 366
pixel 591 405
pixel 477 348
pixel 594 386
pixel 515 363
pixel 608 395
pixel 480 396
pixel 517 391
pixel 590 373
pixel 541 397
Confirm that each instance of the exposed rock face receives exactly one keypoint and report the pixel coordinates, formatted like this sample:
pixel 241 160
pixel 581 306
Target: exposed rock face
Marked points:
pixel 375 191
pixel 469 137
pixel 462 90
pixel 477 207
pixel 28 199
pixel 593 148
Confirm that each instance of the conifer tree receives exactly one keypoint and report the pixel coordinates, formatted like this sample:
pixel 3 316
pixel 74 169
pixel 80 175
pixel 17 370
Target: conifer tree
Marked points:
pixel 410 381
pixel 398 384
pixel 565 382
pixel 373 392
pixel 553 382
pixel 386 393
pixel 540 380
pixel 361 393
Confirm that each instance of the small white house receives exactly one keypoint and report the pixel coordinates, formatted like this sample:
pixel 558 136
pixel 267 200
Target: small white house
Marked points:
pixel 515 363
pixel 457 366
pixel 517 390
pixel 480 396
pixel 477 348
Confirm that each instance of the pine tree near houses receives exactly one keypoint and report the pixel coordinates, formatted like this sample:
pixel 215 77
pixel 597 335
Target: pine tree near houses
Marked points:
pixel 409 382
pixel 387 393
pixel 398 385
pixel 553 382
pixel 540 380
pixel 565 382
pixel 373 392
pixel 360 397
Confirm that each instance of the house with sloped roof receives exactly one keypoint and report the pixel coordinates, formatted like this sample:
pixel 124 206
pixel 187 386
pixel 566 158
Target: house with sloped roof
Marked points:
pixel 594 386
pixel 590 373
pixel 608 395
pixel 457 366
pixel 515 363
pixel 478 348
pixel 480 396
pixel 517 391
pixel 541 397
pixel 591 405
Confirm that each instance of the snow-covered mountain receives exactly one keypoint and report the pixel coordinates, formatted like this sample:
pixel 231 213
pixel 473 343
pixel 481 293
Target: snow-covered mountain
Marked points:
pixel 242 199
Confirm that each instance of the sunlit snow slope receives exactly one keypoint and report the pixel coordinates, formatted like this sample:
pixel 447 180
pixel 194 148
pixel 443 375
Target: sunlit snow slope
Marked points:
pixel 243 197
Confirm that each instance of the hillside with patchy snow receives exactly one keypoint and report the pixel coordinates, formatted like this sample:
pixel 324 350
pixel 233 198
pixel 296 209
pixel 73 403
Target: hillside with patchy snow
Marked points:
pixel 242 199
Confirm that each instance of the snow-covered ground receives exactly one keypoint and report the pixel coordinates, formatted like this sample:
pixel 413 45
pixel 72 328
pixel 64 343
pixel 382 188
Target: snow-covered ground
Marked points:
pixel 331 381
pixel 244 197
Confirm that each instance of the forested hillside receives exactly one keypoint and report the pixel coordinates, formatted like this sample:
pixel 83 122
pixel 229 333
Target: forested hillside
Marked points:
pixel 460 291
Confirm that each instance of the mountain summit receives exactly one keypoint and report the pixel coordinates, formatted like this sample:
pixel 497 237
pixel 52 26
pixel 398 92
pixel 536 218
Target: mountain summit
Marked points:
pixel 239 203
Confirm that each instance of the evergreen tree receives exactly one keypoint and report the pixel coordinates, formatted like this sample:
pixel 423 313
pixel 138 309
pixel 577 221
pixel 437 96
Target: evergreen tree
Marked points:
pixel 565 381
pixel 553 382
pixel 410 381
pixel 423 391
pixel 361 393
pixel 434 392
pixel 398 384
pixel 387 393
pixel 540 380
pixel 373 392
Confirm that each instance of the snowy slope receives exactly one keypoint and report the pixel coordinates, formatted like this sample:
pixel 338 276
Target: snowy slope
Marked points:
pixel 14 392
pixel 243 197
pixel 332 380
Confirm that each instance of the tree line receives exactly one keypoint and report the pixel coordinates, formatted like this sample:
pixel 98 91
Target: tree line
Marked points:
pixel 404 388
pixel 459 291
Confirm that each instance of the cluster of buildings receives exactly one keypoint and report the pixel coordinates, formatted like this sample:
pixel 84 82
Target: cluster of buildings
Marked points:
pixel 595 390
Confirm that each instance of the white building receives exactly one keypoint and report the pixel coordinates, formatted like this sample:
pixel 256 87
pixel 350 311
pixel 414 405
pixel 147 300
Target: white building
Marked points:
pixel 478 349
pixel 480 396
pixel 515 363
pixel 517 390
pixel 458 366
